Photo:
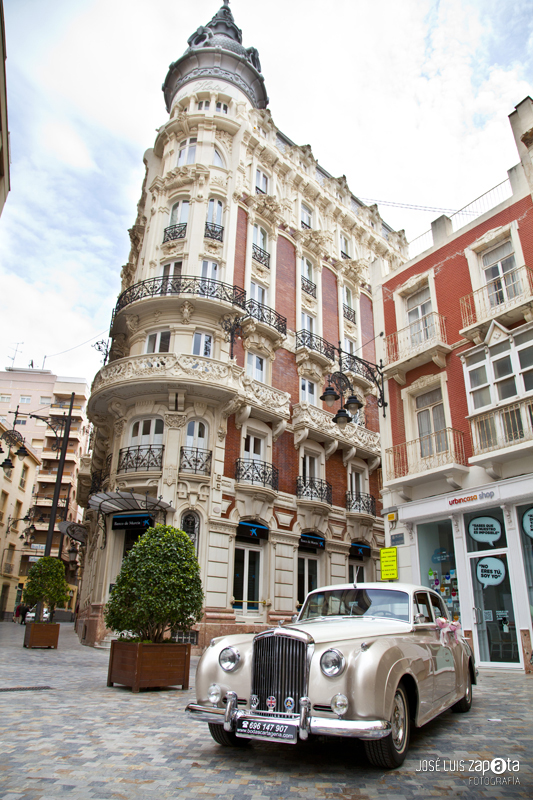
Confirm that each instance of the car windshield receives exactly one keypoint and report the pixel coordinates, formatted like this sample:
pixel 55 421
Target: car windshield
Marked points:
pixel 357 603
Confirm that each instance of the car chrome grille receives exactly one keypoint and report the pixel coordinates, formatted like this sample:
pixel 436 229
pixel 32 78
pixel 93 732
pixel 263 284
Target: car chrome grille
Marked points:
pixel 280 671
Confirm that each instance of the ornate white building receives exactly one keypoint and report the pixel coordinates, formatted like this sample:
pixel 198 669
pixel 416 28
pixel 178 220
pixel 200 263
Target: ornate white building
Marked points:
pixel 248 267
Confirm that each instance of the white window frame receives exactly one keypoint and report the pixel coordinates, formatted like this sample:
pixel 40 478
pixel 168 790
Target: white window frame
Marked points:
pixel 306 215
pixel 210 270
pixel 419 387
pixel 261 181
pixel 217 156
pixel 245 611
pixel 221 107
pixel 308 322
pixel 306 558
pixel 154 436
pixel 259 293
pixel 344 244
pixel 44 400
pixel 5 398
pixel 194 441
pixel 154 338
pixel 179 212
pixel 411 287
pixel 474 253
pixel 202 341
pixel 187 151
pixel 305 395
pixel 307 269
pixel 215 211
pixel 258 372
pixel 260 237
pixel 25 399
pixel 203 105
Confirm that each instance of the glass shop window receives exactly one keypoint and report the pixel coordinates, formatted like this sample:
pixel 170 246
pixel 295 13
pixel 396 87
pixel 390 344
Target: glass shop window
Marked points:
pixel 438 569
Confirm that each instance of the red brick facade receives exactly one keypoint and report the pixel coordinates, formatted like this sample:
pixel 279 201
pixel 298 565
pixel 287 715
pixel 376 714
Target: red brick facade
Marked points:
pixel 286 281
pixel 330 307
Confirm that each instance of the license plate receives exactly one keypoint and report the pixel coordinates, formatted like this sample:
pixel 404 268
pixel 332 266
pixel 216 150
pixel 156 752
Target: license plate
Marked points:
pixel 271 730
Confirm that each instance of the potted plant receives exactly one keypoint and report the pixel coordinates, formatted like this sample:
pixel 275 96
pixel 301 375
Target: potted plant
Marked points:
pixel 157 590
pixel 46 584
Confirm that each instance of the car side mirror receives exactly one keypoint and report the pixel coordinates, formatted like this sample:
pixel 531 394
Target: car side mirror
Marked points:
pixel 419 618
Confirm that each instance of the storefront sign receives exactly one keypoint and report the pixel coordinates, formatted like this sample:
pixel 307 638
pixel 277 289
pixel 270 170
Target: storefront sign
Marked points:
pixel 33 559
pixel 132 522
pixel 359 551
pixel 38 547
pixel 388 560
pixel 396 539
pixel 441 554
pixel 480 496
pixel 490 571
pixel 311 540
pixel 527 522
pixel 485 529
pixel 252 530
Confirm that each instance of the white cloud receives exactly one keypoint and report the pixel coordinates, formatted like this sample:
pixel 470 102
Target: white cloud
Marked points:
pixel 67 146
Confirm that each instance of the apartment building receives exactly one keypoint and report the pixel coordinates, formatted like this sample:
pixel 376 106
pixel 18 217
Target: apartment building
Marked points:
pixel 458 438
pixel 246 289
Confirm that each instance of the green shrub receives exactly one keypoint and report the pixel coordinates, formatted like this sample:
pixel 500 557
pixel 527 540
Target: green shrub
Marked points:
pixel 46 584
pixel 158 586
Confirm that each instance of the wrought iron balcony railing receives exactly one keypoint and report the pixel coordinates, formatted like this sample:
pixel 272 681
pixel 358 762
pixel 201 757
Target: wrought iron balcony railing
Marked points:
pixel 267 315
pixel 305 226
pixel 259 191
pixel 261 255
pixel 317 343
pixel 308 286
pixel 162 287
pixel 436 450
pixel 141 458
pixel 213 231
pixel 196 461
pixel 344 255
pixel 503 294
pixel 260 473
pixel 314 489
pixel 503 427
pixel 417 336
pixel 349 314
pixel 361 503
pixel 175 232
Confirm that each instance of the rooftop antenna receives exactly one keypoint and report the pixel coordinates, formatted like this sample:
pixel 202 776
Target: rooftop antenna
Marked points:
pixel 13 357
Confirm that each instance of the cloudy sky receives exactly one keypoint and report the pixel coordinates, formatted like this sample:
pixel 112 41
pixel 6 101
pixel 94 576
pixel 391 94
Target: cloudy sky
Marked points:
pixel 408 98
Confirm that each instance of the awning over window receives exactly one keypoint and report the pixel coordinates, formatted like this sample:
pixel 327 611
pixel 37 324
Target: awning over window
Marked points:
pixel 74 531
pixel 113 502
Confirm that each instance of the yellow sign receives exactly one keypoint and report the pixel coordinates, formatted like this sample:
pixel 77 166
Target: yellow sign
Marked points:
pixel 388 560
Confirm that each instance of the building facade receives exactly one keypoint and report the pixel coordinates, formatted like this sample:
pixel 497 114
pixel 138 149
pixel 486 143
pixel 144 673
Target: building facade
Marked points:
pixel 16 547
pixel 45 395
pixel 458 439
pixel 249 266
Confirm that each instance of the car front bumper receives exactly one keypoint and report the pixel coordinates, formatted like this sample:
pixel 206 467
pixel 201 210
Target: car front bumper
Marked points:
pixel 356 728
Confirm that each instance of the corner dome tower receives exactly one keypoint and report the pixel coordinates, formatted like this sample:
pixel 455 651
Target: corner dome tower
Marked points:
pixel 216 52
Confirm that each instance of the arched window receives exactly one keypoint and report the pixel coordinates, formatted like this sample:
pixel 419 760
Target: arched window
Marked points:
pixel 190 524
pixel 218 161
pixel 180 213
pixel 187 152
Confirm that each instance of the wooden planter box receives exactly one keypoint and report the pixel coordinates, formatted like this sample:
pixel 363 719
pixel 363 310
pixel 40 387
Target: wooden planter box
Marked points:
pixel 41 634
pixel 141 665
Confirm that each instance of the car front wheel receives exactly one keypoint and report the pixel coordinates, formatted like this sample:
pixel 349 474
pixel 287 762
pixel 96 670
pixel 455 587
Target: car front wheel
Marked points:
pixel 226 738
pixel 390 751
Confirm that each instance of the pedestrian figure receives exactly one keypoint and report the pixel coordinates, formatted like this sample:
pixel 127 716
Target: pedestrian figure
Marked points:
pixel 16 618
pixel 23 611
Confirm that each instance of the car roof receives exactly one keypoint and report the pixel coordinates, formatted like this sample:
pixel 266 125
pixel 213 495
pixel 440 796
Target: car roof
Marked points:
pixel 410 588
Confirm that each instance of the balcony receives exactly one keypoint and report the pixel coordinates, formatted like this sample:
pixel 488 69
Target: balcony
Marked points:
pixel 195 461
pixel 257 473
pixel 261 255
pixel 308 287
pixel 305 226
pixel 314 489
pixel 141 458
pixel 267 316
pixel 259 191
pixel 360 503
pixel 315 423
pixel 213 231
pixel 175 232
pixel 8 568
pixel 419 343
pixel 506 299
pixel 310 341
pixel 496 431
pixel 349 314
pixel 164 287
pixel 344 255
pixel 440 454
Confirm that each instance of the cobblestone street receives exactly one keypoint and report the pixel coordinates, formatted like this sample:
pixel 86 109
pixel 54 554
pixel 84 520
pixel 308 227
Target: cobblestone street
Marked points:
pixel 81 739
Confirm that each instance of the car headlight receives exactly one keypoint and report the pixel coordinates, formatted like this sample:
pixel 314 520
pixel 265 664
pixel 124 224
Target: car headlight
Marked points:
pixel 332 663
pixel 214 694
pixel 229 658
pixel 339 704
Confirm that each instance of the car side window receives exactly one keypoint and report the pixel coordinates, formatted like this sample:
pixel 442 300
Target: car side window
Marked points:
pixel 438 606
pixel 422 606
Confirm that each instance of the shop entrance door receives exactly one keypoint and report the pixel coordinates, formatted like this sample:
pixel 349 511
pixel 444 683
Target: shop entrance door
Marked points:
pixel 493 612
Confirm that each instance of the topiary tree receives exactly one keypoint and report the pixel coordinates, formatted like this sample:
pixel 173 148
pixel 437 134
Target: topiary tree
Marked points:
pixel 46 584
pixel 158 586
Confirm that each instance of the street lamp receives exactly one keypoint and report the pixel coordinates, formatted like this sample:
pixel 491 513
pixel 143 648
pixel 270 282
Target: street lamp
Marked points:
pixel 339 385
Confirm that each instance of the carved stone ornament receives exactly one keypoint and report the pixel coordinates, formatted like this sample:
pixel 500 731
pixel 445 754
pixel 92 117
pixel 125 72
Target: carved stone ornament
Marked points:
pixel 226 139
pixel 170 475
pixel 318 242
pixel 423 382
pixel 132 323
pixel 266 206
pixel 186 310
pixel 174 421
pixel 184 176
pixel 118 427
pixel 127 274
pixel 119 347
pixel 171 249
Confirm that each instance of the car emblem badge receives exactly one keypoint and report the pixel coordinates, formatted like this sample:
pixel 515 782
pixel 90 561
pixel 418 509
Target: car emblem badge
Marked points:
pixel 254 701
pixel 271 703
pixel 289 704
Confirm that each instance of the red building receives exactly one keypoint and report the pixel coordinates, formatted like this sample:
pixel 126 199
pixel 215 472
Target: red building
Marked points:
pixel 458 439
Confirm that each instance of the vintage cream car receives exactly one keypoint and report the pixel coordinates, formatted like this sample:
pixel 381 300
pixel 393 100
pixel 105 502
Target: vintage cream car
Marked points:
pixel 366 661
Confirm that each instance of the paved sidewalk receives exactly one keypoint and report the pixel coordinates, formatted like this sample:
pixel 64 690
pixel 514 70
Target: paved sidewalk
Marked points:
pixel 84 741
